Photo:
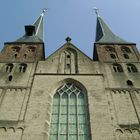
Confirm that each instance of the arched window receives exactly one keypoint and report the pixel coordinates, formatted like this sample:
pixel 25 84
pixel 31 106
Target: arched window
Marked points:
pixel 110 49
pixel 125 49
pixel 117 68
pixel 126 56
pixel 22 67
pixel 31 49
pixel 131 68
pixel 25 55
pixel 69 119
pixel 113 56
pixel 16 49
pixel 129 83
pixel 10 78
pixel 9 67
pixel 15 55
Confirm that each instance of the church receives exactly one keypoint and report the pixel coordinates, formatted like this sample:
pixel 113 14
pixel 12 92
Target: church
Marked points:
pixel 68 95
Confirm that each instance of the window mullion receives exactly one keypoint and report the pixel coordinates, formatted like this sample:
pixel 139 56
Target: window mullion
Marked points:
pixel 72 113
pixel 68 115
pixel 59 115
pixel 87 120
pixel 77 117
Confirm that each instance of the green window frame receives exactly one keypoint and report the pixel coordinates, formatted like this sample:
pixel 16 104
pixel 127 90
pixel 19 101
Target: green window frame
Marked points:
pixel 70 117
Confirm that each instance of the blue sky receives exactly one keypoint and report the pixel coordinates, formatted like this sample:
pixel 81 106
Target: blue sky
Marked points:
pixel 74 18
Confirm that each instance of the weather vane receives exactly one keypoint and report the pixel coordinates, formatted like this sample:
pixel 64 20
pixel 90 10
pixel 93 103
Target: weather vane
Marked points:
pixel 96 11
pixel 43 11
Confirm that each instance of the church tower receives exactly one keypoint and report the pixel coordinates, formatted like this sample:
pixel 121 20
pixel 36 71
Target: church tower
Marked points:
pixel 69 96
pixel 18 62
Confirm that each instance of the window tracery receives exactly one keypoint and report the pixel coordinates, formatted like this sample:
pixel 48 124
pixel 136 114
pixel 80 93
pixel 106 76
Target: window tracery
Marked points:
pixel 69 120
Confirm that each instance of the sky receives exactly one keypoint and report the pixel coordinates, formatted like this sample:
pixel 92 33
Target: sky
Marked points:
pixel 74 18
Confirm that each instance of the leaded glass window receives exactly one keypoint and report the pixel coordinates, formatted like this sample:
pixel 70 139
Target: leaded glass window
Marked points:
pixel 69 120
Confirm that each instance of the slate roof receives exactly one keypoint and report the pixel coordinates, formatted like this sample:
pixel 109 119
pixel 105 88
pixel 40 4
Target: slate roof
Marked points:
pixel 30 39
pixel 105 35
pixel 39 32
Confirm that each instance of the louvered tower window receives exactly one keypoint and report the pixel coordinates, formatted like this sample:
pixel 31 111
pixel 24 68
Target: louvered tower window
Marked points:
pixel 69 120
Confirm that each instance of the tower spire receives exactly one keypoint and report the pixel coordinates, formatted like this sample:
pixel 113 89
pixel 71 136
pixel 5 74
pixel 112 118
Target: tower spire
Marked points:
pixel 104 33
pixel 39 25
pixel 35 32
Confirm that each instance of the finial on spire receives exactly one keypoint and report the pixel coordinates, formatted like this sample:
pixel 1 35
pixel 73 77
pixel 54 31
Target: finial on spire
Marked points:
pixel 96 11
pixel 43 11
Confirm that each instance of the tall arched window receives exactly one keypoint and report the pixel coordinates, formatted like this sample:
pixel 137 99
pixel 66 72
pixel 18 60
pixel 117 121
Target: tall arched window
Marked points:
pixel 69 120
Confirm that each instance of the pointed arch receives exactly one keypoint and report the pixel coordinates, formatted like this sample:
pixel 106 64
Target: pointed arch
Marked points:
pixel 67 80
pixel 70 115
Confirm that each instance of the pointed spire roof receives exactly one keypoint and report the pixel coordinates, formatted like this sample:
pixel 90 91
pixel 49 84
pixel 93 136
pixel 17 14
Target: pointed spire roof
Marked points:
pixel 104 33
pixel 39 26
pixel 35 32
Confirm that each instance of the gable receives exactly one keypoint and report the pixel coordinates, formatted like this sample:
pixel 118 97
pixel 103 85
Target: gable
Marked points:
pixel 68 60
pixel 68 46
